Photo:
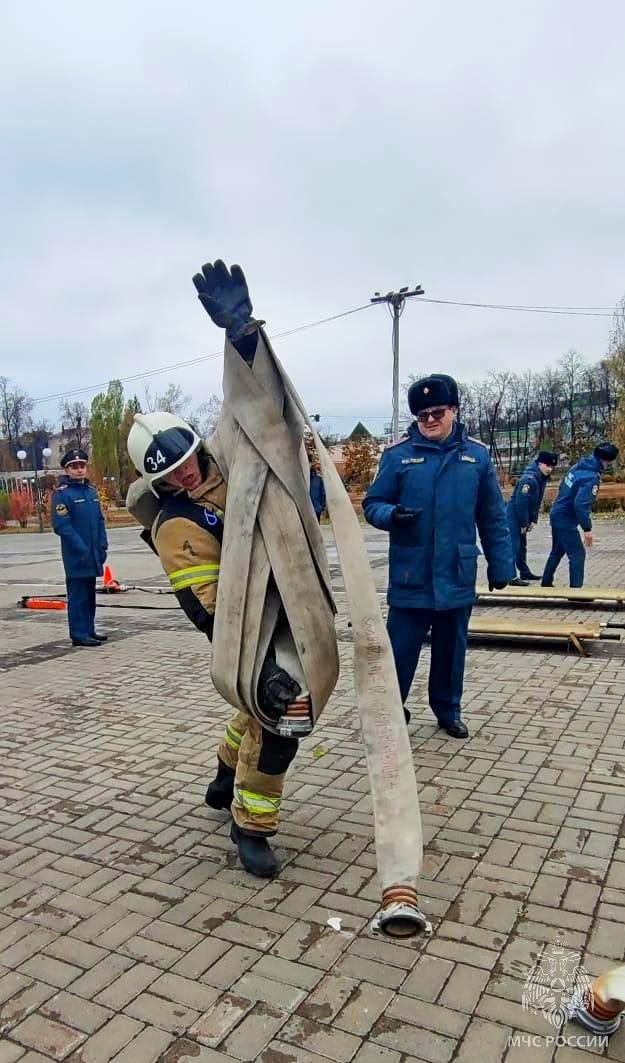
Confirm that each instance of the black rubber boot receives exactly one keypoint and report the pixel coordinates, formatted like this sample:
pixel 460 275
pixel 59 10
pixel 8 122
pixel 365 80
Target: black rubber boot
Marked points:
pixel 255 853
pixel 221 791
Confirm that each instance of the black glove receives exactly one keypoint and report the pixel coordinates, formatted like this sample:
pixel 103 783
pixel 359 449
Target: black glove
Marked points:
pixel 496 585
pixel 225 297
pixel 403 518
pixel 276 689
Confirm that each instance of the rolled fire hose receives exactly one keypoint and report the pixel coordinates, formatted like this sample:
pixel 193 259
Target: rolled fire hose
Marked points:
pixel 600 1008
pixel 274 591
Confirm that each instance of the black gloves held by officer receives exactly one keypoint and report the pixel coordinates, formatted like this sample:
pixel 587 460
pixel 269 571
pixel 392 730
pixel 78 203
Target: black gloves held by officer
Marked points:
pixel 401 517
pixel 276 689
pixel 225 297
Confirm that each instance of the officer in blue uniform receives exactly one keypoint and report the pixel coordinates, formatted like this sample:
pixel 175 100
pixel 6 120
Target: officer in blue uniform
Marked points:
pixel 571 510
pixel 524 510
pixel 317 490
pixel 432 490
pixel 77 518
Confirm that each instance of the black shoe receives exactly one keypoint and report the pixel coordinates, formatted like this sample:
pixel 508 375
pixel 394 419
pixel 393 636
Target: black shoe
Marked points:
pixel 456 730
pixel 255 853
pixel 98 637
pixel 85 642
pixel 406 716
pixel 546 584
pixel 518 582
pixel 221 791
pixel 529 576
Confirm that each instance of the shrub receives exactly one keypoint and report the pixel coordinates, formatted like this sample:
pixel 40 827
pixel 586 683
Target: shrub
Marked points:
pixel 20 507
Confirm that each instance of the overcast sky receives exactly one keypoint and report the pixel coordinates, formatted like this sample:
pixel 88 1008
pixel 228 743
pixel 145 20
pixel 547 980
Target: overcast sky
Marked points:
pixel 332 149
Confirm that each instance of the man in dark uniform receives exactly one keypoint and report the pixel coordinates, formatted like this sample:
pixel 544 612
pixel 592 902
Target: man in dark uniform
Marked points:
pixel 571 511
pixel 317 489
pixel 524 510
pixel 77 518
pixel 432 490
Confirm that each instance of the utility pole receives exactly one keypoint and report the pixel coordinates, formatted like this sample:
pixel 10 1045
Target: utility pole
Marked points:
pixel 396 302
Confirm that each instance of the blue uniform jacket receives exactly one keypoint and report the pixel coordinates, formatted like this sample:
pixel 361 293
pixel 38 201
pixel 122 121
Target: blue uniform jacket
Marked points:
pixel 317 492
pixel 77 518
pixel 453 487
pixel 527 497
pixel 577 493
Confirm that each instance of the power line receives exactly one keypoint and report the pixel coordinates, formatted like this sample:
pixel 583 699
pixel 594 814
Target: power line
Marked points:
pixel 570 311
pixel 194 361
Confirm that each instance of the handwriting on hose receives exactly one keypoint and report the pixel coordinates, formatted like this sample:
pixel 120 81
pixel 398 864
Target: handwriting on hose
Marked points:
pixel 385 740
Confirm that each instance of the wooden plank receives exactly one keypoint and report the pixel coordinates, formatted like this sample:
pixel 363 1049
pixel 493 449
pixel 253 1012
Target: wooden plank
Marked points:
pixel 535 628
pixel 569 594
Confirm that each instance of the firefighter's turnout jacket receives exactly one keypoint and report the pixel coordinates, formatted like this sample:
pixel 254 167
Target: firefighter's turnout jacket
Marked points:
pixel 187 534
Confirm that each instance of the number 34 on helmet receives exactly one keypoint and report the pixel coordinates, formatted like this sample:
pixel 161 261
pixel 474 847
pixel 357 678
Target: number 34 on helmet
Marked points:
pixel 158 443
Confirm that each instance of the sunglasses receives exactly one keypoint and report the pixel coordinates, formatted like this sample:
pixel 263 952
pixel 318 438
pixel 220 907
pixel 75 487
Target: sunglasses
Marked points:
pixel 435 415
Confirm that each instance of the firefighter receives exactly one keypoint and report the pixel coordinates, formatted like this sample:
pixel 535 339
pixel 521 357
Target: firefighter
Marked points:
pixel 523 511
pixel 77 518
pixel 186 534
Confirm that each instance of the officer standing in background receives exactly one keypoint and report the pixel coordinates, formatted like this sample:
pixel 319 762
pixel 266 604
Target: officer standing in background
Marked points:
pixel 317 489
pixel 571 510
pixel 433 490
pixel 77 518
pixel 524 510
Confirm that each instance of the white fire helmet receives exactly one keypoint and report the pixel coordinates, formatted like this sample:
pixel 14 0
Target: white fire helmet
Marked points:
pixel 158 443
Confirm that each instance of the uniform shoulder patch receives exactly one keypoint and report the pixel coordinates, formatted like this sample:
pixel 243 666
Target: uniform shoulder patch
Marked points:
pixel 595 489
pixel 525 490
pixel 61 509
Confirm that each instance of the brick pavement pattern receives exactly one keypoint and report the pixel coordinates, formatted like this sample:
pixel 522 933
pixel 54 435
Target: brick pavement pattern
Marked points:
pixel 129 932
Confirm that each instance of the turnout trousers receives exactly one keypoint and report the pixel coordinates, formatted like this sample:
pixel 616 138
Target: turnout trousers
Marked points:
pixel 408 629
pixel 565 539
pixel 80 606
pixel 260 761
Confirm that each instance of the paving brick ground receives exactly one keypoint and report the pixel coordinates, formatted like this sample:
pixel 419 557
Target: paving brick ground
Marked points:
pixel 128 932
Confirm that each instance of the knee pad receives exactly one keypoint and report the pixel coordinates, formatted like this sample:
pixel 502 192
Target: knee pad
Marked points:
pixel 276 753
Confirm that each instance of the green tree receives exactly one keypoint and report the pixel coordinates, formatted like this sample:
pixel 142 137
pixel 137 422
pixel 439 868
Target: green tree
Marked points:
pixel 126 470
pixel 106 417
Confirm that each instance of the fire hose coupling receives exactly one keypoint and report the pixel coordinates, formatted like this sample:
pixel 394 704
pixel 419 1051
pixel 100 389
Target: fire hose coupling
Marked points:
pixel 599 1021
pixel 599 1008
pixel 297 721
pixel 400 915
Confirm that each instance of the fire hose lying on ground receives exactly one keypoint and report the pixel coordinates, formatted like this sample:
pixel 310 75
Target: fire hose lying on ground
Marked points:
pixel 274 587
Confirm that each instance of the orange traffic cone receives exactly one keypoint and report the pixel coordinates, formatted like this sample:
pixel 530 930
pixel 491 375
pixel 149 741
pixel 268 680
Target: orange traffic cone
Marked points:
pixel 109 583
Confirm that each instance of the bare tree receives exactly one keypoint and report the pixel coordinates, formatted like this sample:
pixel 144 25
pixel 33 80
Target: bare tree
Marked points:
pixel 205 416
pixel 75 418
pixel 494 393
pixel 572 369
pixel 15 410
pixel 173 400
